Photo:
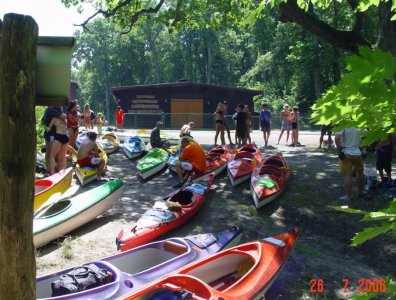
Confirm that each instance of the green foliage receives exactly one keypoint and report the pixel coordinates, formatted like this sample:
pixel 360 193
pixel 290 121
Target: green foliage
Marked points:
pixel 365 97
pixel 39 127
pixel 390 286
pixel 386 217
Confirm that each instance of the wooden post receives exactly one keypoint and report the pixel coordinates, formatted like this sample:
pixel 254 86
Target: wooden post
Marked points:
pixel 18 42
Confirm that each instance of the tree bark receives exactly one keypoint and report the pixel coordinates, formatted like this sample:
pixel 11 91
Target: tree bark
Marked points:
pixel 387 28
pixel 17 156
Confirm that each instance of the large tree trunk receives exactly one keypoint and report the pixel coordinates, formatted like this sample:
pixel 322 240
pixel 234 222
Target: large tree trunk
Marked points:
pixel 387 30
pixel 17 156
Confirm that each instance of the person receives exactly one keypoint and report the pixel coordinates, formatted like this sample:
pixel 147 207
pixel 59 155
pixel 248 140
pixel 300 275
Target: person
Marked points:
pixel 99 123
pixel 265 122
pixel 186 129
pixel 119 117
pixel 285 122
pixel 91 119
pixel 87 117
pixel 88 155
pixel 384 152
pixel 295 118
pixel 347 142
pixel 191 159
pixel 49 136
pixel 226 127
pixel 72 119
pixel 240 117
pixel 219 116
pixel 61 141
pixel 249 123
pixel 325 129
pixel 155 137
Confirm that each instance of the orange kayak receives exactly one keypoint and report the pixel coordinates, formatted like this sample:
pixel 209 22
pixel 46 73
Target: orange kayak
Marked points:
pixel 269 179
pixel 217 160
pixel 172 211
pixel 245 160
pixel 242 272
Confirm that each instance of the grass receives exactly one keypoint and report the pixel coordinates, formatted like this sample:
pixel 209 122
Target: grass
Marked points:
pixel 67 251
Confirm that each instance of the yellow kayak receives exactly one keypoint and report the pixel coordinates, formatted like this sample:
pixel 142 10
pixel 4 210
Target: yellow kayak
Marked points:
pixel 88 174
pixel 57 183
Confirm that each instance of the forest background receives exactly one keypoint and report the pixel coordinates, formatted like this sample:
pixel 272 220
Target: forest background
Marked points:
pixel 284 61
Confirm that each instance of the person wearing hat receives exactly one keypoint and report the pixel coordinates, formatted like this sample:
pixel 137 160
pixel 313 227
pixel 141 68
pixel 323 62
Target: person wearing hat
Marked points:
pixel 119 117
pixel 155 136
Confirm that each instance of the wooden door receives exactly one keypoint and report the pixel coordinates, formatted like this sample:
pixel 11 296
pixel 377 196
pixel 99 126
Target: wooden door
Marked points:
pixel 186 110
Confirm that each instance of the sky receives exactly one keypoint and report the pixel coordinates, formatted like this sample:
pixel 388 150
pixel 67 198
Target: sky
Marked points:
pixel 52 17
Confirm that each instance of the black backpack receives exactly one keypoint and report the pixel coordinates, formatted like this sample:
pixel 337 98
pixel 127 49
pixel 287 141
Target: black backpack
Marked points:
pixel 81 278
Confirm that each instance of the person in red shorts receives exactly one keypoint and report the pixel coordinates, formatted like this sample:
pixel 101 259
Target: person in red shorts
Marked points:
pixel 192 158
pixel 119 117
pixel 88 155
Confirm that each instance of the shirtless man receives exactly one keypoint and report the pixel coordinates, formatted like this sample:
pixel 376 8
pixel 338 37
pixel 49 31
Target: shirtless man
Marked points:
pixel 88 155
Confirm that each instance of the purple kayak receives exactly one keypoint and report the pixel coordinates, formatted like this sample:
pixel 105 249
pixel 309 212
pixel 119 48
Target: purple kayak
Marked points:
pixel 141 265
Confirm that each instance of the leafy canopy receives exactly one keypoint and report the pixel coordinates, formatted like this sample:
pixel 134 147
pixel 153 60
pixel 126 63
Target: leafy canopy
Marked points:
pixel 365 96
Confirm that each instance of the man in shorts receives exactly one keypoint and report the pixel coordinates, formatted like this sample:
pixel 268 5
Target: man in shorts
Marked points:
pixel 191 159
pixel 347 142
pixel 265 122
pixel 88 155
pixel 325 129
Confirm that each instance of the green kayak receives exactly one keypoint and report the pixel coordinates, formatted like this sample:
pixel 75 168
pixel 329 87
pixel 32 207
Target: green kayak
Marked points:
pixel 70 213
pixel 152 162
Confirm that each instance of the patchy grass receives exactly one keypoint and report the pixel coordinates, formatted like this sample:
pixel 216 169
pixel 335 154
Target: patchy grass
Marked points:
pixel 66 248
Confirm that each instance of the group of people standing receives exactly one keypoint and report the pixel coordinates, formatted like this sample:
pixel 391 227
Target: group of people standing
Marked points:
pixel 243 124
pixel 61 130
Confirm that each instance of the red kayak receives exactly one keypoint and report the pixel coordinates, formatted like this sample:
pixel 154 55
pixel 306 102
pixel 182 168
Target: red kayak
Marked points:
pixel 245 160
pixel 269 179
pixel 245 272
pixel 171 212
pixel 217 160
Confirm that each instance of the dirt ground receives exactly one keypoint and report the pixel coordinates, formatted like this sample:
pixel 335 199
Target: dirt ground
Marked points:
pixel 321 252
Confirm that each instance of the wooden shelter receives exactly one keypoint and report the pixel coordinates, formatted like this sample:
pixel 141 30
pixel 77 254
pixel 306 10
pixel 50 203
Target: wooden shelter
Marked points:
pixel 183 100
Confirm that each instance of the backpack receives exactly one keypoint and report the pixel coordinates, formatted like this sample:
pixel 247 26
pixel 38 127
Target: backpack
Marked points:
pixel 81 278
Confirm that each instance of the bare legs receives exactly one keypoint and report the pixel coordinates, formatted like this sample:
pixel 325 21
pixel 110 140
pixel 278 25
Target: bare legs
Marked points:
pixel 179 171
pixel 228 133
pixel 100 167
pixel 287 135
pixel 219 130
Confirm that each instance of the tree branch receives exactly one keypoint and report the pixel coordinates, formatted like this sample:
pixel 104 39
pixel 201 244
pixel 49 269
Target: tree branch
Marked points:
pixel 134 18
pixel 177 13
pixel 348 40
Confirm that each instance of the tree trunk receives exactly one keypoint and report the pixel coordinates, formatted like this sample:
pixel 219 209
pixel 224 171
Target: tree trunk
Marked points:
pixel 316 70
pixel 17 156
pixel 387 30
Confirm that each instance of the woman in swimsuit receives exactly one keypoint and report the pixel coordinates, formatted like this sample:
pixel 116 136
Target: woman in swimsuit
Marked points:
pixel 73 117
pixel 219 116
pixel 285 116
pixel 59 147
pixel 87 117
pixel 295 120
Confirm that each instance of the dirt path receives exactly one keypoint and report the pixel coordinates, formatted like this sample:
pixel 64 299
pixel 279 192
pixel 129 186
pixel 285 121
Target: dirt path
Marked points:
pixel 321 252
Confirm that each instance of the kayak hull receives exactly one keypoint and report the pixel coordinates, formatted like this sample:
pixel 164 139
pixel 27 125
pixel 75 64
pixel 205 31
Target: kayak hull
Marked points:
pixel 74 212
pixel 144 264
pixel 57 183
pixel 152 163
pixel 243 272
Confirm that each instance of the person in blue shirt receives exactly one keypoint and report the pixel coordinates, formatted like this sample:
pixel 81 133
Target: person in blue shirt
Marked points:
pixel 265 122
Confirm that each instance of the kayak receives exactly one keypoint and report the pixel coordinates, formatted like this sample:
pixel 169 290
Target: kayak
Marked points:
pixel 241 166
pixel 70 213
pixel 109 142
pixel 269 179
pixel 82 136
pixel 88 174
pixel 217 160
pixel 172 211
pixel 57 183
pixel 145 134
pixel 134 146
pixel 152 162
pixel 245 272
pixel 139 266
